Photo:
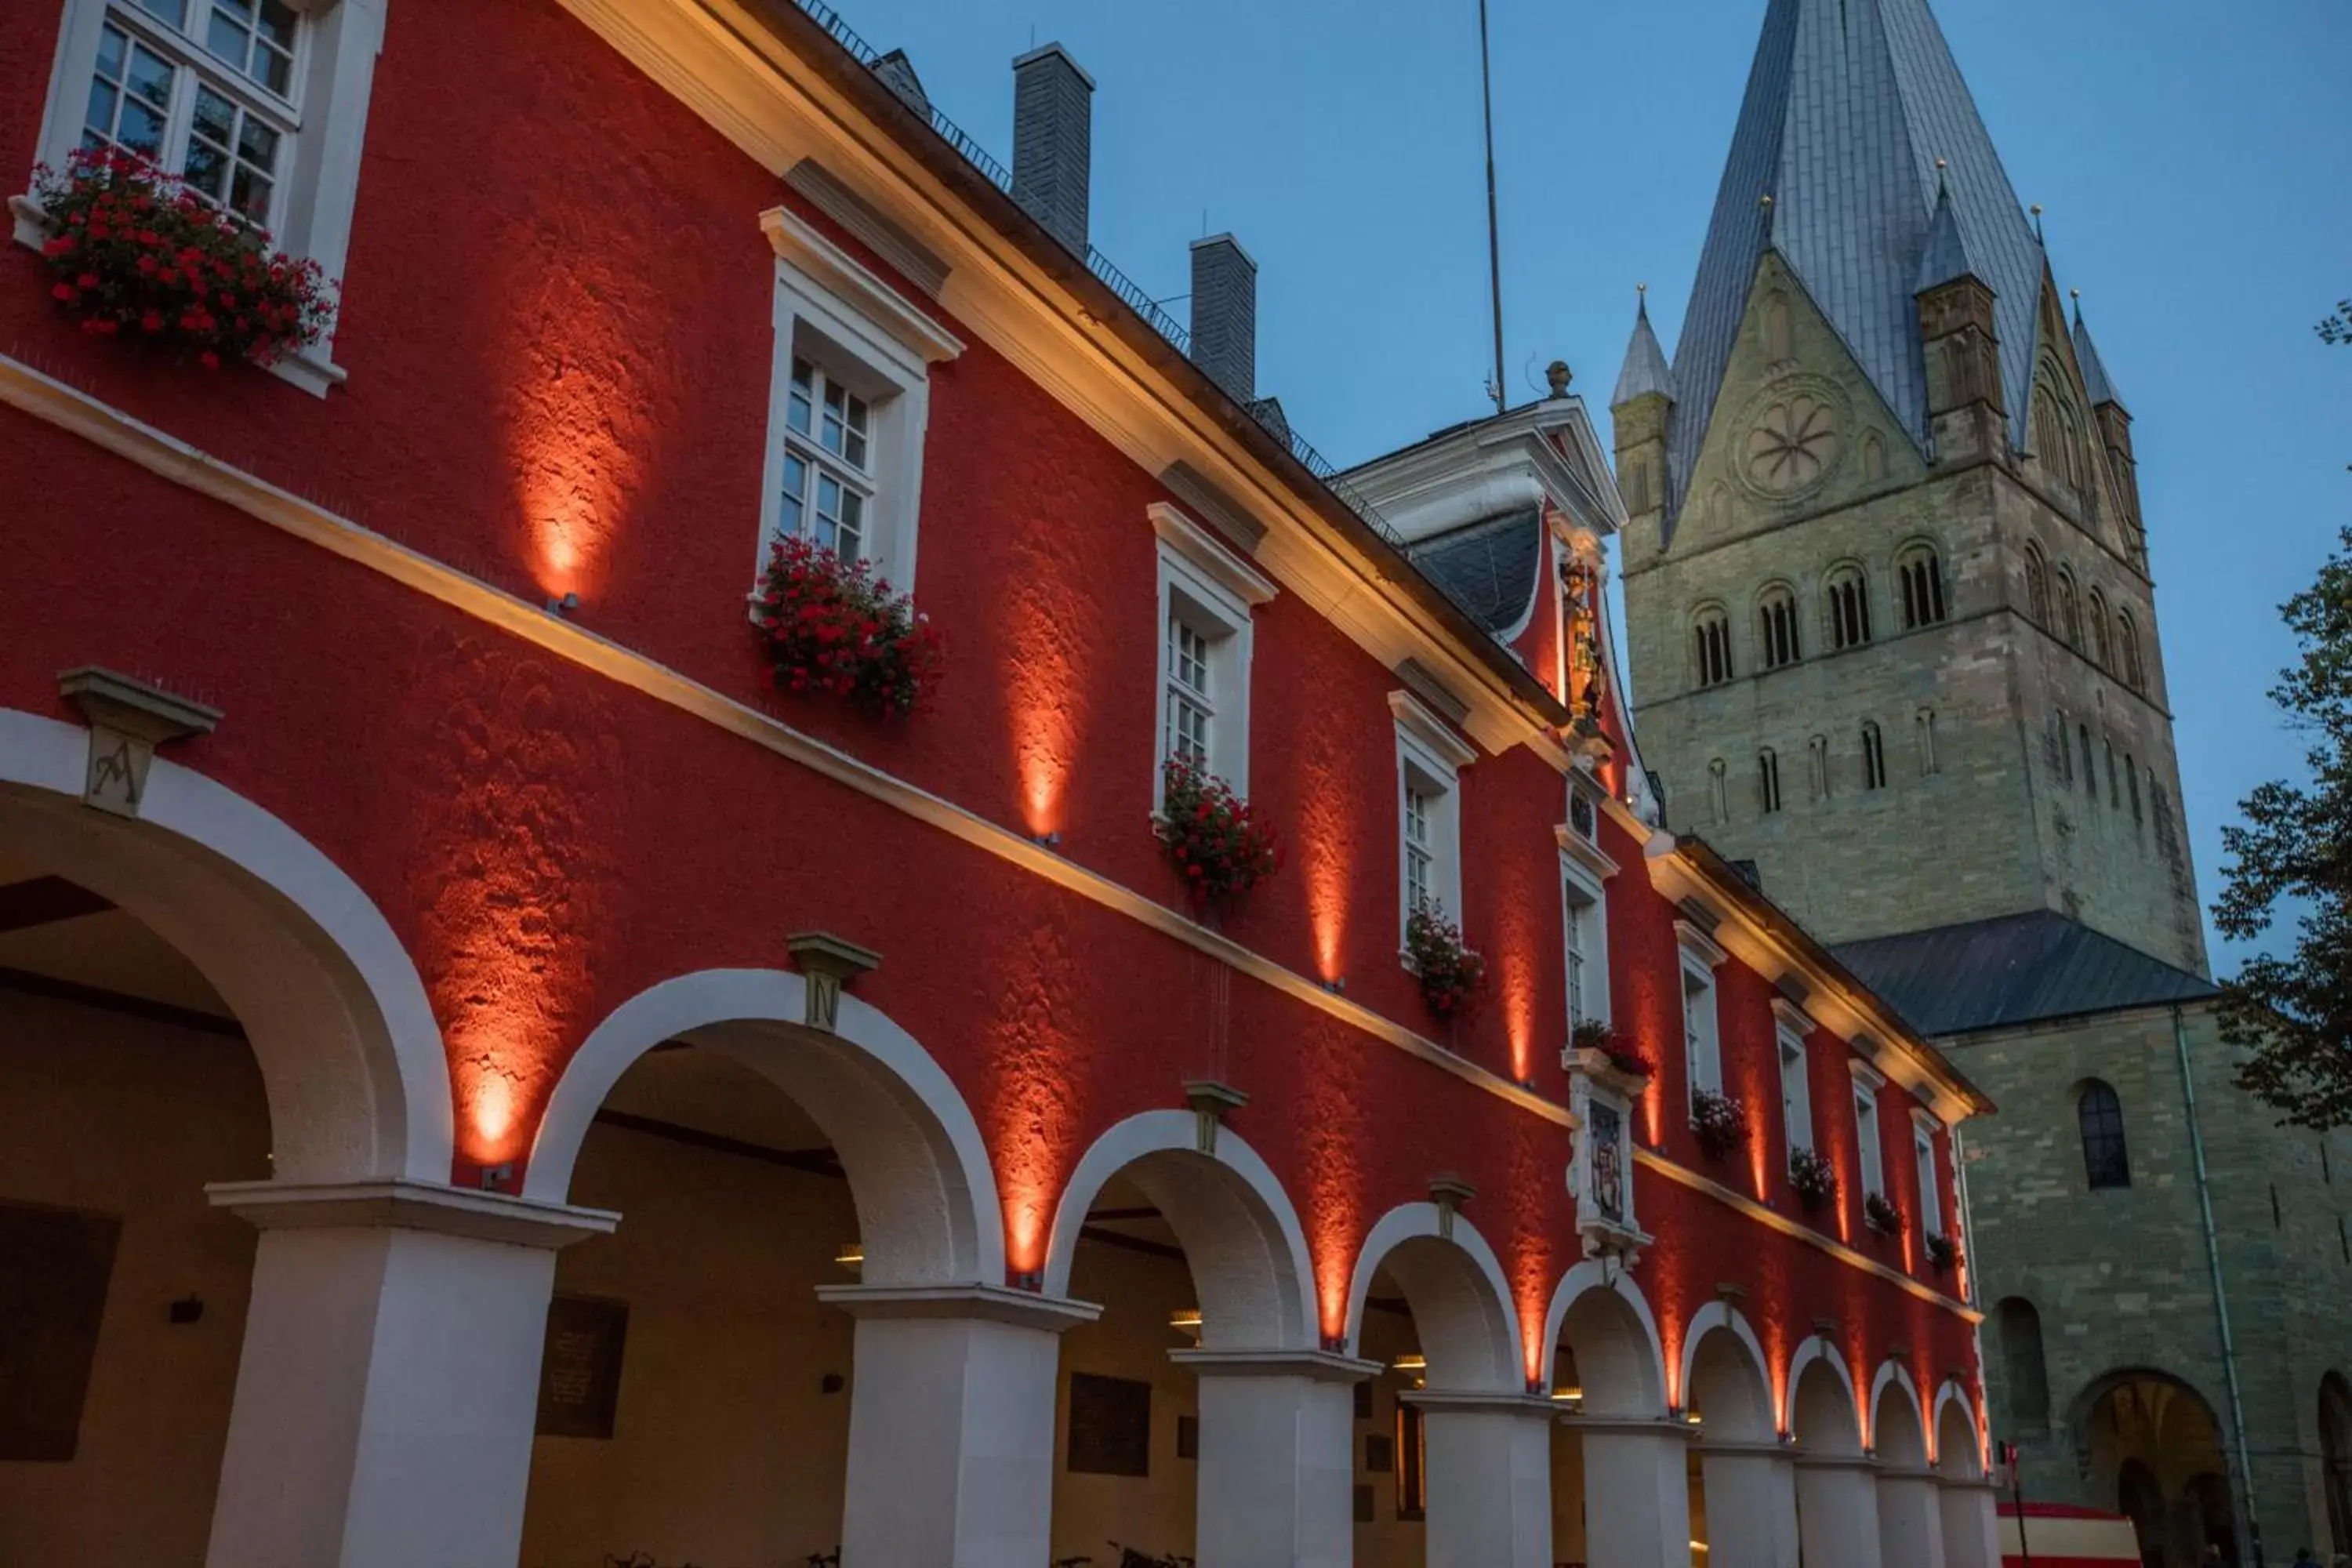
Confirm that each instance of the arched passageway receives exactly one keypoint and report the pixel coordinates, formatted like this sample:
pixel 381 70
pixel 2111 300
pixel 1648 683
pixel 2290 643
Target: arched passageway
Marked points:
pixel 1744 1504
pixel 1910 1514
pixel 2152 1444
pixel 1837 1493
pixel 1970 1507
pixel 1620 1460
pixel 798 1337
pixel 202 1014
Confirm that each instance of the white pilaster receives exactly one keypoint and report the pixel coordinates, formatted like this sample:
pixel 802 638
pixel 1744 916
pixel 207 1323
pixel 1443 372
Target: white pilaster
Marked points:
pixel 389 1381
pixel 1751 1505
pixel 1910 1522
pixel 1278 1458
pixel 1837 1512
pixel 951 1424
pixel 1636 1492
pixel 1489 1480
pixel 1972 1535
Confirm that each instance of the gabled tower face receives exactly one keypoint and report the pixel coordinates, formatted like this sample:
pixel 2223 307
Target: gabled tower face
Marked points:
pixel 1891 629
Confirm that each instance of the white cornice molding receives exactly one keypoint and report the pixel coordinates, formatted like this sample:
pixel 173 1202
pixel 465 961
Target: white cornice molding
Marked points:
pixel 1584 852
pixel 800 245
pixel 1794 1017
pixel 719 60
pixel 1696 942
pixel 1205 551
pixel 1420 721
pixel 400 1204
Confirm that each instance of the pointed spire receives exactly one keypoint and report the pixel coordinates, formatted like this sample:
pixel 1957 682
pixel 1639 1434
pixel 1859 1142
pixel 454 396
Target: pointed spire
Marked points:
pixel 1645 363
pixel 2086 356
pixel 1945 258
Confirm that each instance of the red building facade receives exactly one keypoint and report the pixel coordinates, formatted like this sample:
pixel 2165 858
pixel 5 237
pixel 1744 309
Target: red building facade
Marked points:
pixel 471 803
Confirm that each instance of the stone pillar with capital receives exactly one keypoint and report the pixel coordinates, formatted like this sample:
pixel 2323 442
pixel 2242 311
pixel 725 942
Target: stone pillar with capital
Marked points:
pixel 388 1382
pixel 1489 1479
pixel 1277 1456
pixel 1636 1491
pixel 1752 1504
pixel 951 1424
pixel 1837 1511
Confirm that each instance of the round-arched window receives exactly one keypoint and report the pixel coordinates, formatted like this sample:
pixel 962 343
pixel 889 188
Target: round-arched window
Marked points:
pixel 2100 1116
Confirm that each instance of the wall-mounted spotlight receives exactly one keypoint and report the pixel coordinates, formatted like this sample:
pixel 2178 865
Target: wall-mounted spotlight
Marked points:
pixel 1337 987
pixel 1052 840
pixel 564 606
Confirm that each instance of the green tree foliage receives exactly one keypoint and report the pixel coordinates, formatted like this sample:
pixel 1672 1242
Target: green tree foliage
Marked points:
pixel 2337 328
pixel 2292 853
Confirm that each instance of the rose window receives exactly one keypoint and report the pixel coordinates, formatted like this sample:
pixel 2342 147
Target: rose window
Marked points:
pixel 1792 446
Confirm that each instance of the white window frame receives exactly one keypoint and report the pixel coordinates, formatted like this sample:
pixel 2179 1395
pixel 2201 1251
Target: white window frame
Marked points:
pixel 832 310
pixel 1792 1028
pixel 1869 1152
pixel 1923 1129
pixel 1430 755
pixel 318 173
pixel 1208 588
pixel 1702 1012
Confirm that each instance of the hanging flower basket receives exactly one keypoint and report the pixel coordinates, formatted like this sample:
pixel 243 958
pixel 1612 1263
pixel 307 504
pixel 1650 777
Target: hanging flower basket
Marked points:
pixel 1881 1215
pixel 1595 1034
pixel 1812 1178
pixel 1220 850
pixel 832 626
pixel 1451 975
pixel 136 254
pixel 1719 1121
pixel 1943 1254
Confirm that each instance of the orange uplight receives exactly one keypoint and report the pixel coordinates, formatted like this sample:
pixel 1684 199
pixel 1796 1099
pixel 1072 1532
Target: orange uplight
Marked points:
pixel 1516 988
pixel 489 1100
pixel 1039 1068
pixel 1333 1159
pixel 1325 853
pixel 1045 696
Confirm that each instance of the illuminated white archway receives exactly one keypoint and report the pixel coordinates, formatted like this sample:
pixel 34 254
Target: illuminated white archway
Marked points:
pixel 1459 1296
pixel 334 1010
pixel 1841 1412
pixel 1739 1403
pixel 1634 1353
pixel 1956 1415
pixel 919 1170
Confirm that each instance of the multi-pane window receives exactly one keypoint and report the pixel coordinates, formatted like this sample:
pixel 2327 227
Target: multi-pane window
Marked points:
pixel 1796 1091
pixel 1921 575
pixel 1586 979
pixel 1420 856
pixel 1865 1144
pixel 1768 780
pixel 1874 755
pixel 828 461
pixel 1777 627
pixel 1190 711
pixel 1849 606
pixel 2100 1116
pixel 1701 1051
pixel 1711 636
pixel 203 89
pixel 1931 1189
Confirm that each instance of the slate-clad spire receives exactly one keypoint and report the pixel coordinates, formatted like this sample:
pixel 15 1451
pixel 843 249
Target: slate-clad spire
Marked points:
pixel 2086 356
pixel 1645 363
pixel 1947 255
pixel 1850 104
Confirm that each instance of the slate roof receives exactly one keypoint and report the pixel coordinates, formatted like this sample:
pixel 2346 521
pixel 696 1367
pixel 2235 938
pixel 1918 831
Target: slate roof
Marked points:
pixel 1645 363
pixel 1946 256
pixel 2094 374
pixel 2011 969
pixel 1488 568
pixel 1848 104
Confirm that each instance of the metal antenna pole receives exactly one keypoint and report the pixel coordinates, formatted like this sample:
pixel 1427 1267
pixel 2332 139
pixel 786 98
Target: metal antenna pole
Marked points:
pixel 1494 227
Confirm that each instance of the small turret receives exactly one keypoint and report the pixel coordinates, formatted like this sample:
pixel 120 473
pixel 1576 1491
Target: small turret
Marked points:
pixel 1638 409
pixel 2115 420
pixel 1966 416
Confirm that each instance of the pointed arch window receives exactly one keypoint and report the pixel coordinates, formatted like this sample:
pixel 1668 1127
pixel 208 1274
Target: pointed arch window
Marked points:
pixel 1776 618
pixel 2090 764
pixel 1849 606
pixel 1874 755
pixel 2127 651
pixel 1777 344
pixel 1768 780
pixel 2102 652
pixel 1922 579
pixel 1817 758
pixel 2100 1116
pixel 2131 773
pixel 2070 611
pixel 2023 1357
pixel 1711 647
pixel 1718 799
pixel 1874 458
pixel 2037 586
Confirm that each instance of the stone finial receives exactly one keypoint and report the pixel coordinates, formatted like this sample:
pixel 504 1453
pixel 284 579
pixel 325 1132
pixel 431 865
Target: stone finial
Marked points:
pixel 1557 376
pixel 127 720
pixel 828 963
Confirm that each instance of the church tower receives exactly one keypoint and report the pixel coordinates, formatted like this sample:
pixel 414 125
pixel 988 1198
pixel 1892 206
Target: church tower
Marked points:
pixel 1891 627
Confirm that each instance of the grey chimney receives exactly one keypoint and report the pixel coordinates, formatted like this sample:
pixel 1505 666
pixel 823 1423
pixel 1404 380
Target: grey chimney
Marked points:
pixel 1053 124
pixel 1224 314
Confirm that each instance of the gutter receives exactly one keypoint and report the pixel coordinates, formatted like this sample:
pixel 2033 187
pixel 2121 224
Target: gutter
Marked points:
pixel 2253 1529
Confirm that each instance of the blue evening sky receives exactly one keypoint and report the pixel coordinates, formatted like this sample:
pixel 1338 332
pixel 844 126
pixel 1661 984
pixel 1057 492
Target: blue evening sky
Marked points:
pixel 2190 157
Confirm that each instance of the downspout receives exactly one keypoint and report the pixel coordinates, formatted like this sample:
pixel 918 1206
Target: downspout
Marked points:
pixel 2220 1297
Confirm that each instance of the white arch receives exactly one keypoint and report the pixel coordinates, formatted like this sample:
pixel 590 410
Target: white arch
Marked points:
pixel 928 1211
pixel 1818 1351
pixel 1461 1300
pixel 1610 1279
pixel 1949 1395
pixel 1242 1238
pixel 1891 1374
pixel 352 1059
pixel 1722 1317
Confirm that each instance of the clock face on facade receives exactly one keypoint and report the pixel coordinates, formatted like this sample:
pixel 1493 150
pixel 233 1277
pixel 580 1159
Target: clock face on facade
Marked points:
pixel 1792 445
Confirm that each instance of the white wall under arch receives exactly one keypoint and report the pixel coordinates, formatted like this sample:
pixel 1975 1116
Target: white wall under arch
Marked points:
pixel 1722 1319
pixel 331 1005
pixel 1904 1435
pixel 1816 1351
pixel 1967 1466
pixel 1241 1236
pixel 919 1170
pixel 1607 1277
pixel 1460 1297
